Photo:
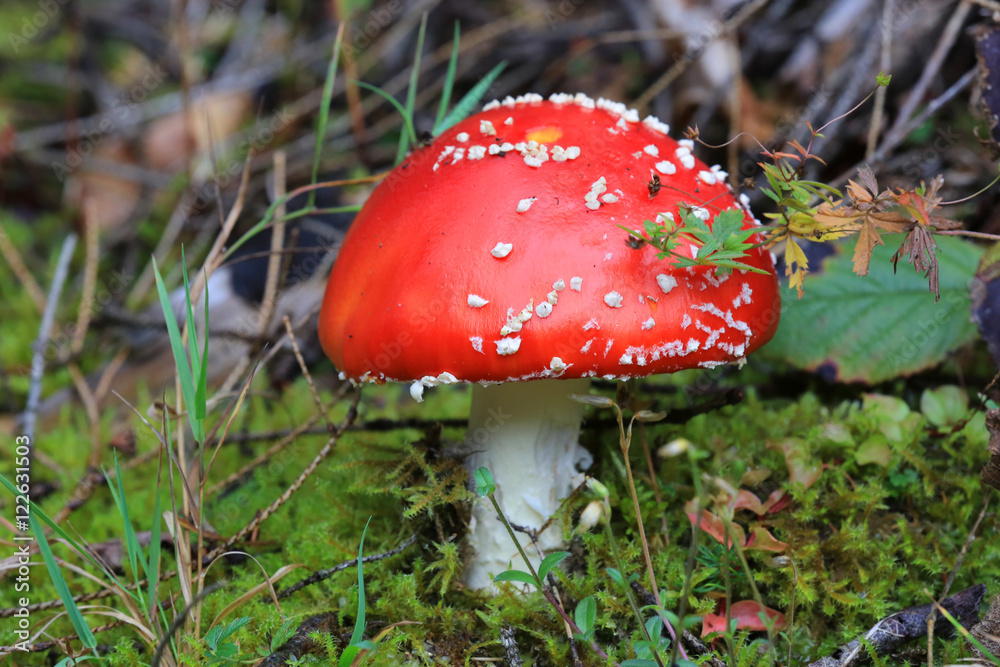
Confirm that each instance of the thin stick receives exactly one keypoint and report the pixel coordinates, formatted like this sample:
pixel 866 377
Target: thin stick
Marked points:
pixel 948 37
pixel 885 64
pixel 323 410
pixel 20 270
pixel 266 455
pixel 38 356
pixel 262 516
pixel 321 575
pixel 277 245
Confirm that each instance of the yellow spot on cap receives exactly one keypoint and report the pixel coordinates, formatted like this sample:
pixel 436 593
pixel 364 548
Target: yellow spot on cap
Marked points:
pixel 545 135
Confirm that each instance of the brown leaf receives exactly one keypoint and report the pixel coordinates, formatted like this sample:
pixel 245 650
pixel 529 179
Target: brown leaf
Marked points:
pixel 920 245
pixel 868 238
pixel 867 177
pixel 859 193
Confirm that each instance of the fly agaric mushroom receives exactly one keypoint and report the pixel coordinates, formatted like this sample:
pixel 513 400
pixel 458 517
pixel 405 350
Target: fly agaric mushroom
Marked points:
pixel 494 256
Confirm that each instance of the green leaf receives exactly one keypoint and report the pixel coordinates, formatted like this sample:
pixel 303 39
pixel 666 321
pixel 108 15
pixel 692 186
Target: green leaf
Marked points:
pixel 516 575
pixel 411 91
pixel 639 662
pixel 550 562
pixel 359 622
pixel 654 626
pixel 324 116
pixel 407 120
pixel 449 81
pixel 180 355
pixel 75 617
pixel 883 79
pixel 221 633
pixel 485 486
pixel 616 576
pixel 132 548
pixel 586 614
pixel 471 99
pixel 944 406
pixel 882 326
pixel 284 632
pixel 153 573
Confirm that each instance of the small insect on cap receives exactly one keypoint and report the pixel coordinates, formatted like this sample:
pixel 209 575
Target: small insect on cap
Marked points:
pixel 498 253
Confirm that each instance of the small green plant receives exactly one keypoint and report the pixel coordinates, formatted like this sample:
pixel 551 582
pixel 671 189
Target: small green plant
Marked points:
pixel 712 559
pixel 357 642
pixel 191 370
pixel 486 488
pixel 719 247
pixel 222 649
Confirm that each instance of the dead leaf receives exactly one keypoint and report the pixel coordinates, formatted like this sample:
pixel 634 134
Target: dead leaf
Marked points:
pixel 868 239
pixel 920 245
pixel 747 615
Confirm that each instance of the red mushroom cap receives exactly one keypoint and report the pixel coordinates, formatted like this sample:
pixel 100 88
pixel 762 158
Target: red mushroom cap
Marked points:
pixel 495 254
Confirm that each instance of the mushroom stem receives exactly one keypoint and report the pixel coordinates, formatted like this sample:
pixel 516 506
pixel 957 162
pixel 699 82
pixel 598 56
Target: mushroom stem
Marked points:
pixel 527 434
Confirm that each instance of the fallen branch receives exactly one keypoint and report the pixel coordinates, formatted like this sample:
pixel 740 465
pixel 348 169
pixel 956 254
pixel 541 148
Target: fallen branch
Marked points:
pixel 320 575
pixel 893 631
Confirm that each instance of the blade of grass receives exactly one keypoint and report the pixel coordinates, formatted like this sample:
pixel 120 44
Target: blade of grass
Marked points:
pixel 359 623
pixel 324 110
pixel 131 541
pixel 37 511
pixel 153 573
pixel 201 392
pixel 199 365
pixel 449 81
pixel 472 98
pixel 407 119
pixel 189 309
pixel 75 617
pixel 411 91
pixel 180 358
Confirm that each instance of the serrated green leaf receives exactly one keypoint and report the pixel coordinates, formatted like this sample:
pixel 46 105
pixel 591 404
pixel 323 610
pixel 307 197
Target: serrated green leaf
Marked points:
pixel 881 326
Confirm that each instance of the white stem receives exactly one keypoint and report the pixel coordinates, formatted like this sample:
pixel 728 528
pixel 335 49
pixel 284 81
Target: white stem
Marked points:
pixel 527 434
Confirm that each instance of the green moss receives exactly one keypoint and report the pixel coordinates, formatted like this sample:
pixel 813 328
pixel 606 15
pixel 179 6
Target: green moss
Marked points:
pixel 866 537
